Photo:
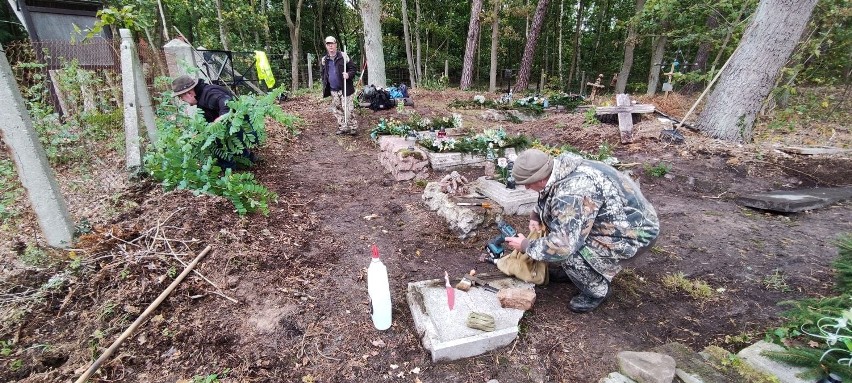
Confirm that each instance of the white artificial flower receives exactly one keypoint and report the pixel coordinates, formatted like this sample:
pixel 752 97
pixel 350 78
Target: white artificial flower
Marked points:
pixel 502 162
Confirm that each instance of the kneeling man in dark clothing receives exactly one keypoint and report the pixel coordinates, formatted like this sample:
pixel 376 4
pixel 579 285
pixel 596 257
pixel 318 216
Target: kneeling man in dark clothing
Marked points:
pixel 212 100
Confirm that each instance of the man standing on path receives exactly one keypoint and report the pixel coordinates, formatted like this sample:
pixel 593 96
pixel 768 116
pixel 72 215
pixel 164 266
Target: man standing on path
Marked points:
pixel 337 74
pixel 595 217
pixel 212 100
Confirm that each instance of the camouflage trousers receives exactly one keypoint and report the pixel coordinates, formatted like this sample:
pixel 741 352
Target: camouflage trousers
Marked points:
pixel 589 281
pixel 346 122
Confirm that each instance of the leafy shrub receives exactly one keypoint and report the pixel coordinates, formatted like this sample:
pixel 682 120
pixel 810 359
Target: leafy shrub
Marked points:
pixel 185 154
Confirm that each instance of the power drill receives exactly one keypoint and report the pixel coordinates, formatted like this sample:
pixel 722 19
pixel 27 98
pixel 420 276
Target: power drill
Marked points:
pixel 495 245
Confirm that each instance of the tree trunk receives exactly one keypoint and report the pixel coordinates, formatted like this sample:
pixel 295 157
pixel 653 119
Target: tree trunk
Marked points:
pixel 419 63
pixel 575 57
pixel 659 49
pixel 470 48
pixel 319 45
pixel 629 44
pixel 163 18
pixel 559 56
pixel 223 33
pixel 295 40
pixel 731 27
pixel 495 36
pixel 744 84
pixel 600 31
pixel 529 49
pixel 408 53
pixel 371 11
pixel 699 63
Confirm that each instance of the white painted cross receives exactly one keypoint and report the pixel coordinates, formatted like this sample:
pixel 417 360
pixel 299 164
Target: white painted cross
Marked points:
pixel 625 109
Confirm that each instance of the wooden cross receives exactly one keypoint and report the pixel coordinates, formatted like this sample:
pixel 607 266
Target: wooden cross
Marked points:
pixel 595 86
pixel 625 109
pixel 667 86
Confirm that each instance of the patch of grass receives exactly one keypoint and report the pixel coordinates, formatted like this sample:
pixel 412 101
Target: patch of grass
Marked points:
pixel 697 288
pixel 6 347
pixel 34 256
pixel 776 281
pixel 728 362
pixel 590 118
pixel 212 378
pixel 659 170
pixel 421 183
pixel 10 191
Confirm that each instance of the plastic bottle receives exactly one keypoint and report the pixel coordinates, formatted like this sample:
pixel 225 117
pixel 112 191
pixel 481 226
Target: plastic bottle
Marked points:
pixel 379 290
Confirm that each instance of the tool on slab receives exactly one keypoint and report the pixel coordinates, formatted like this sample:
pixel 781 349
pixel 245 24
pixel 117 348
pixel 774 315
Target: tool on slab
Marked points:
pixel 451 293
pixel 476 281
pixel 485 205
pixel 481 321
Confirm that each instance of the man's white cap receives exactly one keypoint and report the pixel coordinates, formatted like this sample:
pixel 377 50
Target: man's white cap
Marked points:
pixel 330 39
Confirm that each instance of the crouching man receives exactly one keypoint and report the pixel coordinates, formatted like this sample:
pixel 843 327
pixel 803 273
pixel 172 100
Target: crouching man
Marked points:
pixel 212 100
pixel 594 215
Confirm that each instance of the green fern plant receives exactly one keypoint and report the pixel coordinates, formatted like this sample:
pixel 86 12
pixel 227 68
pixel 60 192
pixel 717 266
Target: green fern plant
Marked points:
pixel 818 334
pixel 185 154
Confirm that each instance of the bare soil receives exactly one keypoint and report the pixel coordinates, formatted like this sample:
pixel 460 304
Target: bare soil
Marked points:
pixel 298 275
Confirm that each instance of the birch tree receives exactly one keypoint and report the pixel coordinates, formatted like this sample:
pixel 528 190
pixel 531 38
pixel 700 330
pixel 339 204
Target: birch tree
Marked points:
pixel 470 48
pixel 529 49
pixel 407 37
pixel 754 66
pixel 495 42
pixel 371 11
pixel 223 33
pixel 629 45
pixel 295 27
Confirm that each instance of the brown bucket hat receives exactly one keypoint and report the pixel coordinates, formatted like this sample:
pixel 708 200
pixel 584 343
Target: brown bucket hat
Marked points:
pixel 183 84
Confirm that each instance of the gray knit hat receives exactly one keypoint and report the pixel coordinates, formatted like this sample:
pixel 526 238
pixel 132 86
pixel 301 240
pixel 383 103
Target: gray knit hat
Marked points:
pixel 532 165
pixel 183 84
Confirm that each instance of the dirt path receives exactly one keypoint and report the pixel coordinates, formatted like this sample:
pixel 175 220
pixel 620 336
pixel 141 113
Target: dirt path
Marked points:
pixel 303 313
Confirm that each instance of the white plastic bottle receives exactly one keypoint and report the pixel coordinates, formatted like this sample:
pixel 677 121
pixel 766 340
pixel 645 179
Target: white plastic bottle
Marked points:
pixel 379 290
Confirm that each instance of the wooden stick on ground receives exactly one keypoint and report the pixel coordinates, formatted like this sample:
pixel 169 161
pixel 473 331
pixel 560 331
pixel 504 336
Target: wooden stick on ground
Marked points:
pixel 153 306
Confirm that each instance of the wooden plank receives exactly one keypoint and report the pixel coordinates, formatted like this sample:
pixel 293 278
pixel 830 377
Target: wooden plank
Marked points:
pixel 814 151
pixel 639 108
pixel 625 119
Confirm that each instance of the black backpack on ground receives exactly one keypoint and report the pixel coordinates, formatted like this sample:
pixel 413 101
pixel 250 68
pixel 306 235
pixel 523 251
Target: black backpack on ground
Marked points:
pixel 381 100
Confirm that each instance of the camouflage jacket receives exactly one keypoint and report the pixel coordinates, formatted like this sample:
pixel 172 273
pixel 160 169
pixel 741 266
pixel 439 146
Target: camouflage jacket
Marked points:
pixel 592 209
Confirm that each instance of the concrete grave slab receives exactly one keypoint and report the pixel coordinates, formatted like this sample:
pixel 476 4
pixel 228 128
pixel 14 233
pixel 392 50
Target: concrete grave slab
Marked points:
pixel 447 161
pixel 445 333
pixel 520 201
pixel 794 201
pixel 784 372
pixel 615 377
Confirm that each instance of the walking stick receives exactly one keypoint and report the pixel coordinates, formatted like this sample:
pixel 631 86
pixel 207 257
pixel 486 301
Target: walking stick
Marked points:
pixel 345 112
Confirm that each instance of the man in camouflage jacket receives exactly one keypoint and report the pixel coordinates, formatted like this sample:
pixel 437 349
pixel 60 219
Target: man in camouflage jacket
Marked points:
pixel 595 217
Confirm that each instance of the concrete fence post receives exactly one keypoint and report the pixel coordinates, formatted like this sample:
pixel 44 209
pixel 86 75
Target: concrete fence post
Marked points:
pixel 31 161
pixel 137 102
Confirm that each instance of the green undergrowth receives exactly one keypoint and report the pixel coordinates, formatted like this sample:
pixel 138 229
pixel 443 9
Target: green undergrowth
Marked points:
pixel 818 331
pixel 185 154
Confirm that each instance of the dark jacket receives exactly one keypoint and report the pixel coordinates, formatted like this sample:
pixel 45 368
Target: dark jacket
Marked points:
pixel 338 61
pixel 212 99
